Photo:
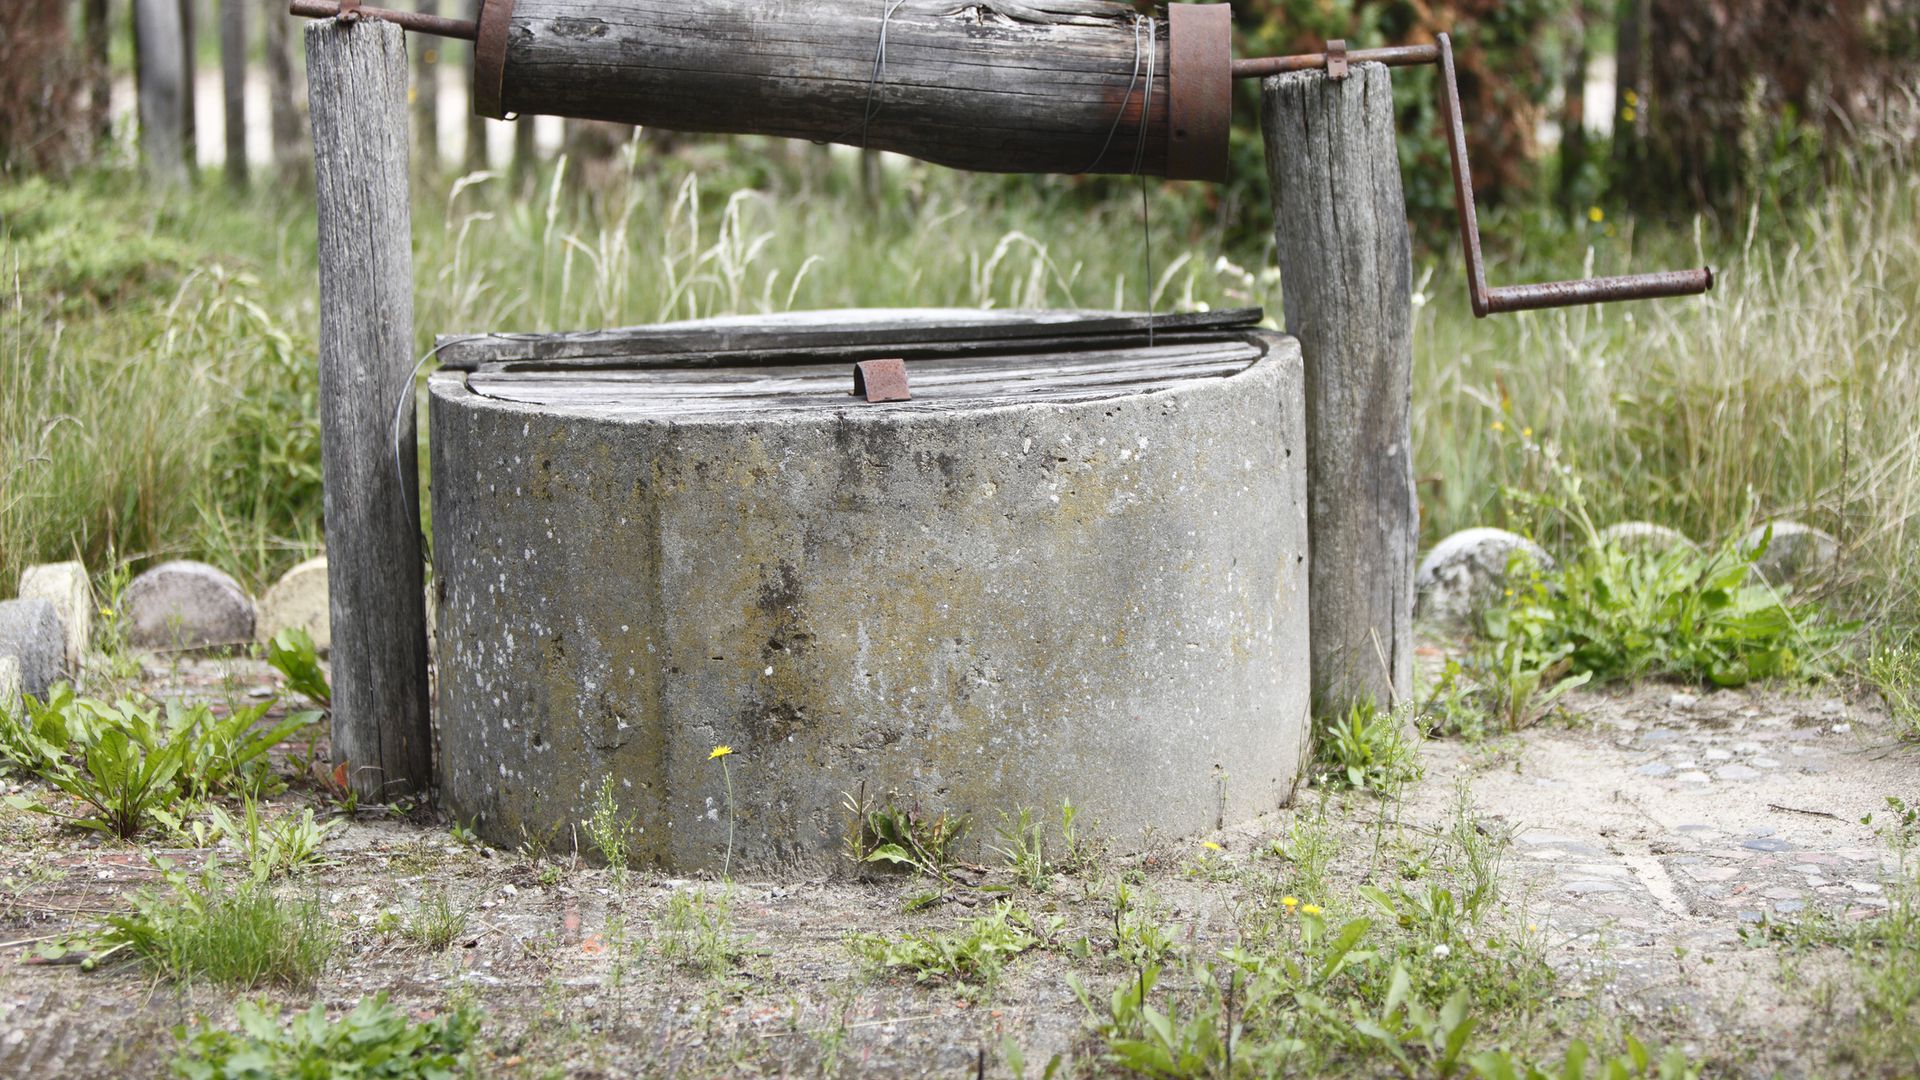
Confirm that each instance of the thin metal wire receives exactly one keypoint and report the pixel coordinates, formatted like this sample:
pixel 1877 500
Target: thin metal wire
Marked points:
pixel 1120 115
pixel 879 63
pixel 1139 162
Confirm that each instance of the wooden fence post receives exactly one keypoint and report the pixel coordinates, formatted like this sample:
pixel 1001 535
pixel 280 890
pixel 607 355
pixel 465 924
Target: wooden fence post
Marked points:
pixel 1346 273
pixel 357 95
pixel 159 44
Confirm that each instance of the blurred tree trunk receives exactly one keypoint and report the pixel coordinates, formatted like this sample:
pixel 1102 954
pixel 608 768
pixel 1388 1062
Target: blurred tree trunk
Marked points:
pixel 1573 113
pixel 233 86
pixel 189 81
pixel 1629 79
pixel 100 73
pixel 525 154
pixel 870 177
pixel 1746 97
pixel 41 124
pixel 426 92
pixel 159 49
pixel 290 159
pixel 476 124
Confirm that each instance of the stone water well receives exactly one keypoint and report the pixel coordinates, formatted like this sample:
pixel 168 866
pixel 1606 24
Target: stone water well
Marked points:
pixel 1071 567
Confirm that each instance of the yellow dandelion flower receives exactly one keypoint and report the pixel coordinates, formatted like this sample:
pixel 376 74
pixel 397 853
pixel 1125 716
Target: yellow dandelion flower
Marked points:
pixel 720 751
pixel 1309 909
pixel 1211 846
pixel 1526 433
pixel 1596 215
pixel 1290 901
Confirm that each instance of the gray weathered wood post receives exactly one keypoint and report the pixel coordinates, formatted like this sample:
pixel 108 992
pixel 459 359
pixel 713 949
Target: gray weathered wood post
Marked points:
pixel 233 87
pixel 159 45
pixel 1346 273
pixel 357 95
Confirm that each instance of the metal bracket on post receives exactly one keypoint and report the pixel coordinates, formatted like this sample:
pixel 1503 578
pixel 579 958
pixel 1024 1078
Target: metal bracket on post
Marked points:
pixel 1337 59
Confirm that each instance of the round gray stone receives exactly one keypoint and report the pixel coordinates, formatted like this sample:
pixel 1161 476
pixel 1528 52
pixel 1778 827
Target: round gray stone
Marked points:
pixel 187 605
pixel 66 587
pixel 1003 593
pixel 298 601
pixel 9 682
pixel 1799 554
pixel 1466 570
pixel 30 633
pixel 1645 536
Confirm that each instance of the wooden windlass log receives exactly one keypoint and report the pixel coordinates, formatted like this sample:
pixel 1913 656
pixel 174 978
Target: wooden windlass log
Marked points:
pixel 1035 86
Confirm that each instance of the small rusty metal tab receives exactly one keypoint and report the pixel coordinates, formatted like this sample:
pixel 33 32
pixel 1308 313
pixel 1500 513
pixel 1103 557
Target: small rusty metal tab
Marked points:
pixel 490 58
pixel 1199 90
pixel 1337 59
pixel 881 380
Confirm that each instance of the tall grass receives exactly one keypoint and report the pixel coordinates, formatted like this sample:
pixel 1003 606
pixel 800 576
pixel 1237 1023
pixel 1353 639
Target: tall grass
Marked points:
pixel 171 413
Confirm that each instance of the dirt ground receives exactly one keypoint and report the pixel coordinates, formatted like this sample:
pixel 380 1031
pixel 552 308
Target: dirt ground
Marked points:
pixel 1649 828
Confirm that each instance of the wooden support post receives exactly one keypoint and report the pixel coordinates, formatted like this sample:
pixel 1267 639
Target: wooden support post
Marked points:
pixel 1346 273
pixel 357 95
pixel 233 86
pixel 159 45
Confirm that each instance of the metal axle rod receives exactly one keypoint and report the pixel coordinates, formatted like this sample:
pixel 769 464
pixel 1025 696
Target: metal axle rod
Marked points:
pixel 440 26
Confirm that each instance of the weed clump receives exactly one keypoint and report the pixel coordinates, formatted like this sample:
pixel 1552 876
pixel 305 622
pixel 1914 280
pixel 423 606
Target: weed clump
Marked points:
pixel 133 766
pixel 905 837
pixel 374 1040
pixel 240 935
pixel 973 953
pixel 696 930
pixel 1365 749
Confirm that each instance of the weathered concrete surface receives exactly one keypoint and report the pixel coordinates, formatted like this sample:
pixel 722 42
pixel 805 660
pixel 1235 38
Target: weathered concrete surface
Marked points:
pixel 30 633
pixel 298 601
pixel 187 605
pixel 65 586
pixel 980 606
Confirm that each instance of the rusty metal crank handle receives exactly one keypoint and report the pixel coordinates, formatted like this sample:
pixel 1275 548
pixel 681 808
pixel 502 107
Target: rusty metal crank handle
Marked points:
pixel 1487 300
